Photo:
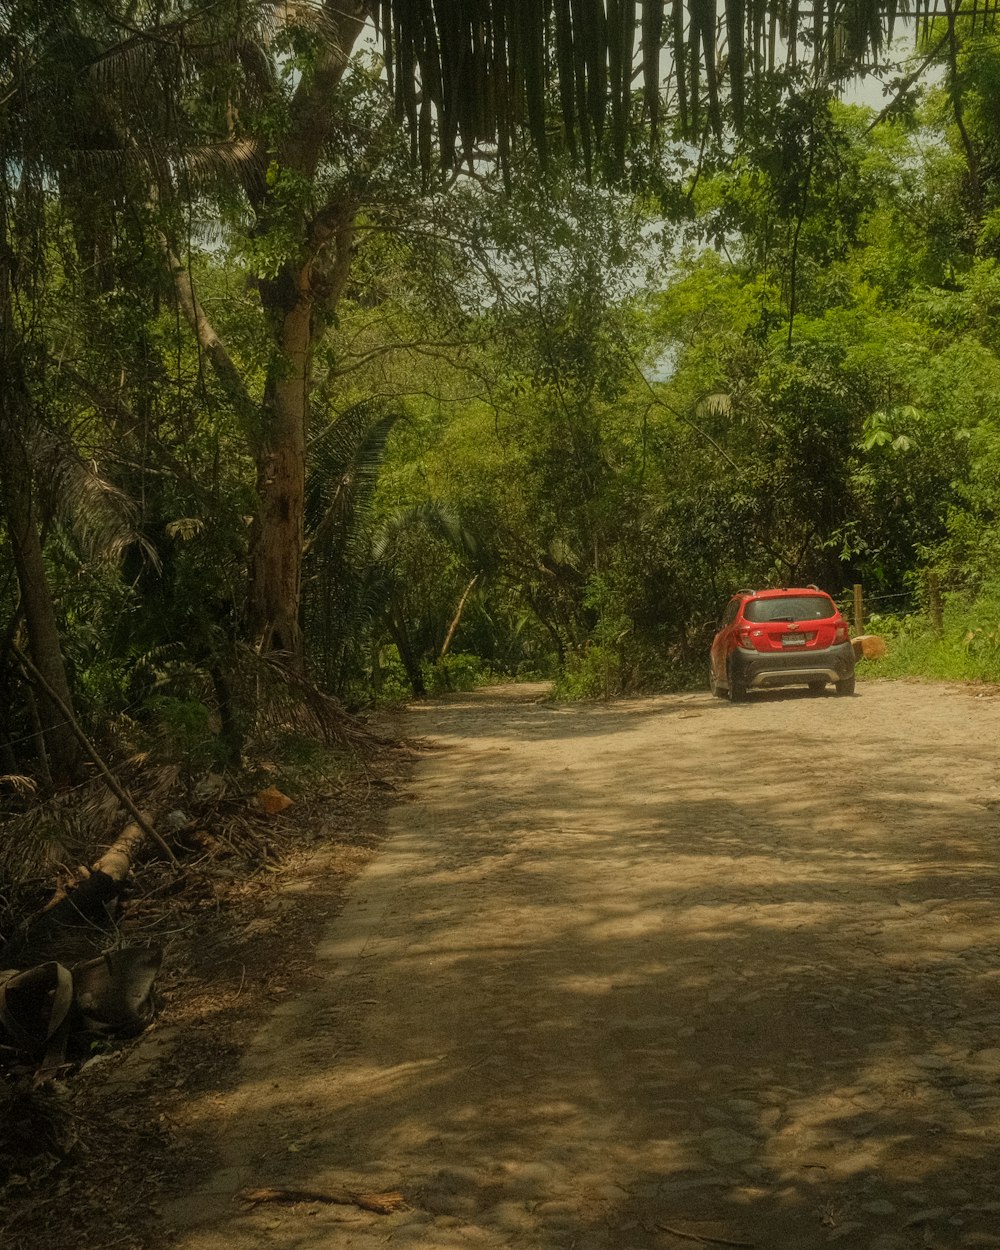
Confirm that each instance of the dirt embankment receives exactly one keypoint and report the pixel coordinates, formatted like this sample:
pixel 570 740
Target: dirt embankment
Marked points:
pixel 644 976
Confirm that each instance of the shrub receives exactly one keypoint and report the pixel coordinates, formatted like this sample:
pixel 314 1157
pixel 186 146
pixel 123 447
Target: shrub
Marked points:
pixel 456 671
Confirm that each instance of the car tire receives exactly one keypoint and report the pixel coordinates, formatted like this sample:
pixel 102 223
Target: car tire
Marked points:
pixel 737 691
pixel 718 691
pixel 846 687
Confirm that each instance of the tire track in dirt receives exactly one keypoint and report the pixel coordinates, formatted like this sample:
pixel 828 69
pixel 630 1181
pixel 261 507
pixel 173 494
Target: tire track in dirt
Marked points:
pixel 634 975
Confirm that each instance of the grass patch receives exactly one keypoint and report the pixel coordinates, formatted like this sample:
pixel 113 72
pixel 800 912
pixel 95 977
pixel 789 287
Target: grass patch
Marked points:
pixel 967 650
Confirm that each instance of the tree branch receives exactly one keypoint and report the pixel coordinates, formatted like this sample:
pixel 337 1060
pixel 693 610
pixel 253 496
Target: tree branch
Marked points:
pixel 457 617
pixel 662 403
pixel 906 84
pixel 222 363
pixel 311 109
pixel 421 346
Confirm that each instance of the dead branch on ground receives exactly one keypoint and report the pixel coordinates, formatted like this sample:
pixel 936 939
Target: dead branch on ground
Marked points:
pixel 380 1204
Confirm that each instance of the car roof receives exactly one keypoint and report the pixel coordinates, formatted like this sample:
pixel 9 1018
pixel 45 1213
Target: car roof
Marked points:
pixel 776 592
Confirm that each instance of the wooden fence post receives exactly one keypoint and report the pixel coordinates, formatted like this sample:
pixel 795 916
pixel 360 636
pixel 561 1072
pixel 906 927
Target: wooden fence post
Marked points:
pixel 859 611
pixel 934 603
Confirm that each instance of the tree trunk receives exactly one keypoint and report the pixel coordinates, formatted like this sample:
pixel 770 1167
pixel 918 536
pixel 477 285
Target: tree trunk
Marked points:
pixel 295 300
pixel 409 659
pixel 279 524
pixel 305 289
pixel 231 732
pixel 82 901
pixel 36 599
pixel 17 502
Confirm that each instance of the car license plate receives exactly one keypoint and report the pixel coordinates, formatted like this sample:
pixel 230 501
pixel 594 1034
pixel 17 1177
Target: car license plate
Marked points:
pixel 793 640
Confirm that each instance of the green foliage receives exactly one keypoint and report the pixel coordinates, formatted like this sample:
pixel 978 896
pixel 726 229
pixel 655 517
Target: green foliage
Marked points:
pixel 552 423
pixel 598 670
pixel 455 672
pixel 187 735
pixel 620 514
pixel 967 650
pixel 299 765
pixel 389 681
pixel 594 674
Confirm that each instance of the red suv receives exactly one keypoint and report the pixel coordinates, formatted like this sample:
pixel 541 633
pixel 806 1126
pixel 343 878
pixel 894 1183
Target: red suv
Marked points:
pixel 788 637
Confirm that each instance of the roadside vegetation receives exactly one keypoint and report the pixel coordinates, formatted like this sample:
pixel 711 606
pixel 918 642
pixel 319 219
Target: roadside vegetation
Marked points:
pixel 967 648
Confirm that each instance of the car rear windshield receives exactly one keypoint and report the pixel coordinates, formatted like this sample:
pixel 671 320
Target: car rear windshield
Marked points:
pixel 789 608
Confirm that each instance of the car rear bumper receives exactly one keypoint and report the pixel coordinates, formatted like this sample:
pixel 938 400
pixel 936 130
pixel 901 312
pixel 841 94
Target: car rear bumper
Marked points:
pixel 758 671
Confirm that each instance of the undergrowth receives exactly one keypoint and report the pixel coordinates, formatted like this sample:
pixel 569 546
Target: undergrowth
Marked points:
pixel 603 672
pixel 968 648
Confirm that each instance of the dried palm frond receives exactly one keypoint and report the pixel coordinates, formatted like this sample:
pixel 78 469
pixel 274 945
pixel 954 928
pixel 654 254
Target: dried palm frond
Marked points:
pixel 286 701
pixel 477 72
pixel 100 514
pixel 65 830
pixel 488 69
pixel 19 783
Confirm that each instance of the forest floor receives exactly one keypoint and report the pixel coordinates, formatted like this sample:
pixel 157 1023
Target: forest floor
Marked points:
pixel 637 976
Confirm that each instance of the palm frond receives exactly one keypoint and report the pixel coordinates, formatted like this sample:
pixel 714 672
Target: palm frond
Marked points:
pixel 100 514
pixel 440 520
pixel 344 461
pixel 286 701
pixel 19 783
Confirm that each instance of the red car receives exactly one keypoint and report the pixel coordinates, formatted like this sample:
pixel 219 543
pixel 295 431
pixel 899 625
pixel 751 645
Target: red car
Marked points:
pixel 787 637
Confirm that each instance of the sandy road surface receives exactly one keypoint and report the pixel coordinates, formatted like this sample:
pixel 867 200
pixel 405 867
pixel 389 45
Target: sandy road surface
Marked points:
pixel 730 971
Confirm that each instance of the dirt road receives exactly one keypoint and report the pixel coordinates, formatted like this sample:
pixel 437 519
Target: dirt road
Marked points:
pixel 660 974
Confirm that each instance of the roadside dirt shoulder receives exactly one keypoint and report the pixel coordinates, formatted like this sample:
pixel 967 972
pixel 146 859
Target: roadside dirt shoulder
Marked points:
pixel 238 943
pixel 632 975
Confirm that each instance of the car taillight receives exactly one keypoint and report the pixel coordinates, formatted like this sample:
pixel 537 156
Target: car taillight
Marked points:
pixel 745 640
pixel 841 633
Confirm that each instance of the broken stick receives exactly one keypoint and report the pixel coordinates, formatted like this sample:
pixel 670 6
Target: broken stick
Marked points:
pixel 122 795
pixel 380 1204
pixel 704 1238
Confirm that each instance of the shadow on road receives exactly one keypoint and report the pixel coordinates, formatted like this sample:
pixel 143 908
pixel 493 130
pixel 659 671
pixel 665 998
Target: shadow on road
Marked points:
pixel 628 978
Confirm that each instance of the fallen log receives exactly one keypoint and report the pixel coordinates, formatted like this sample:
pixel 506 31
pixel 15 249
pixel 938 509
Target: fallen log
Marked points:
pixel 84 901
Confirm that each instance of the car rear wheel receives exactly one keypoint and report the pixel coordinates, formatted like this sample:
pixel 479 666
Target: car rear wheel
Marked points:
pixel 846 686
pixel 737 689
pixel 713 683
